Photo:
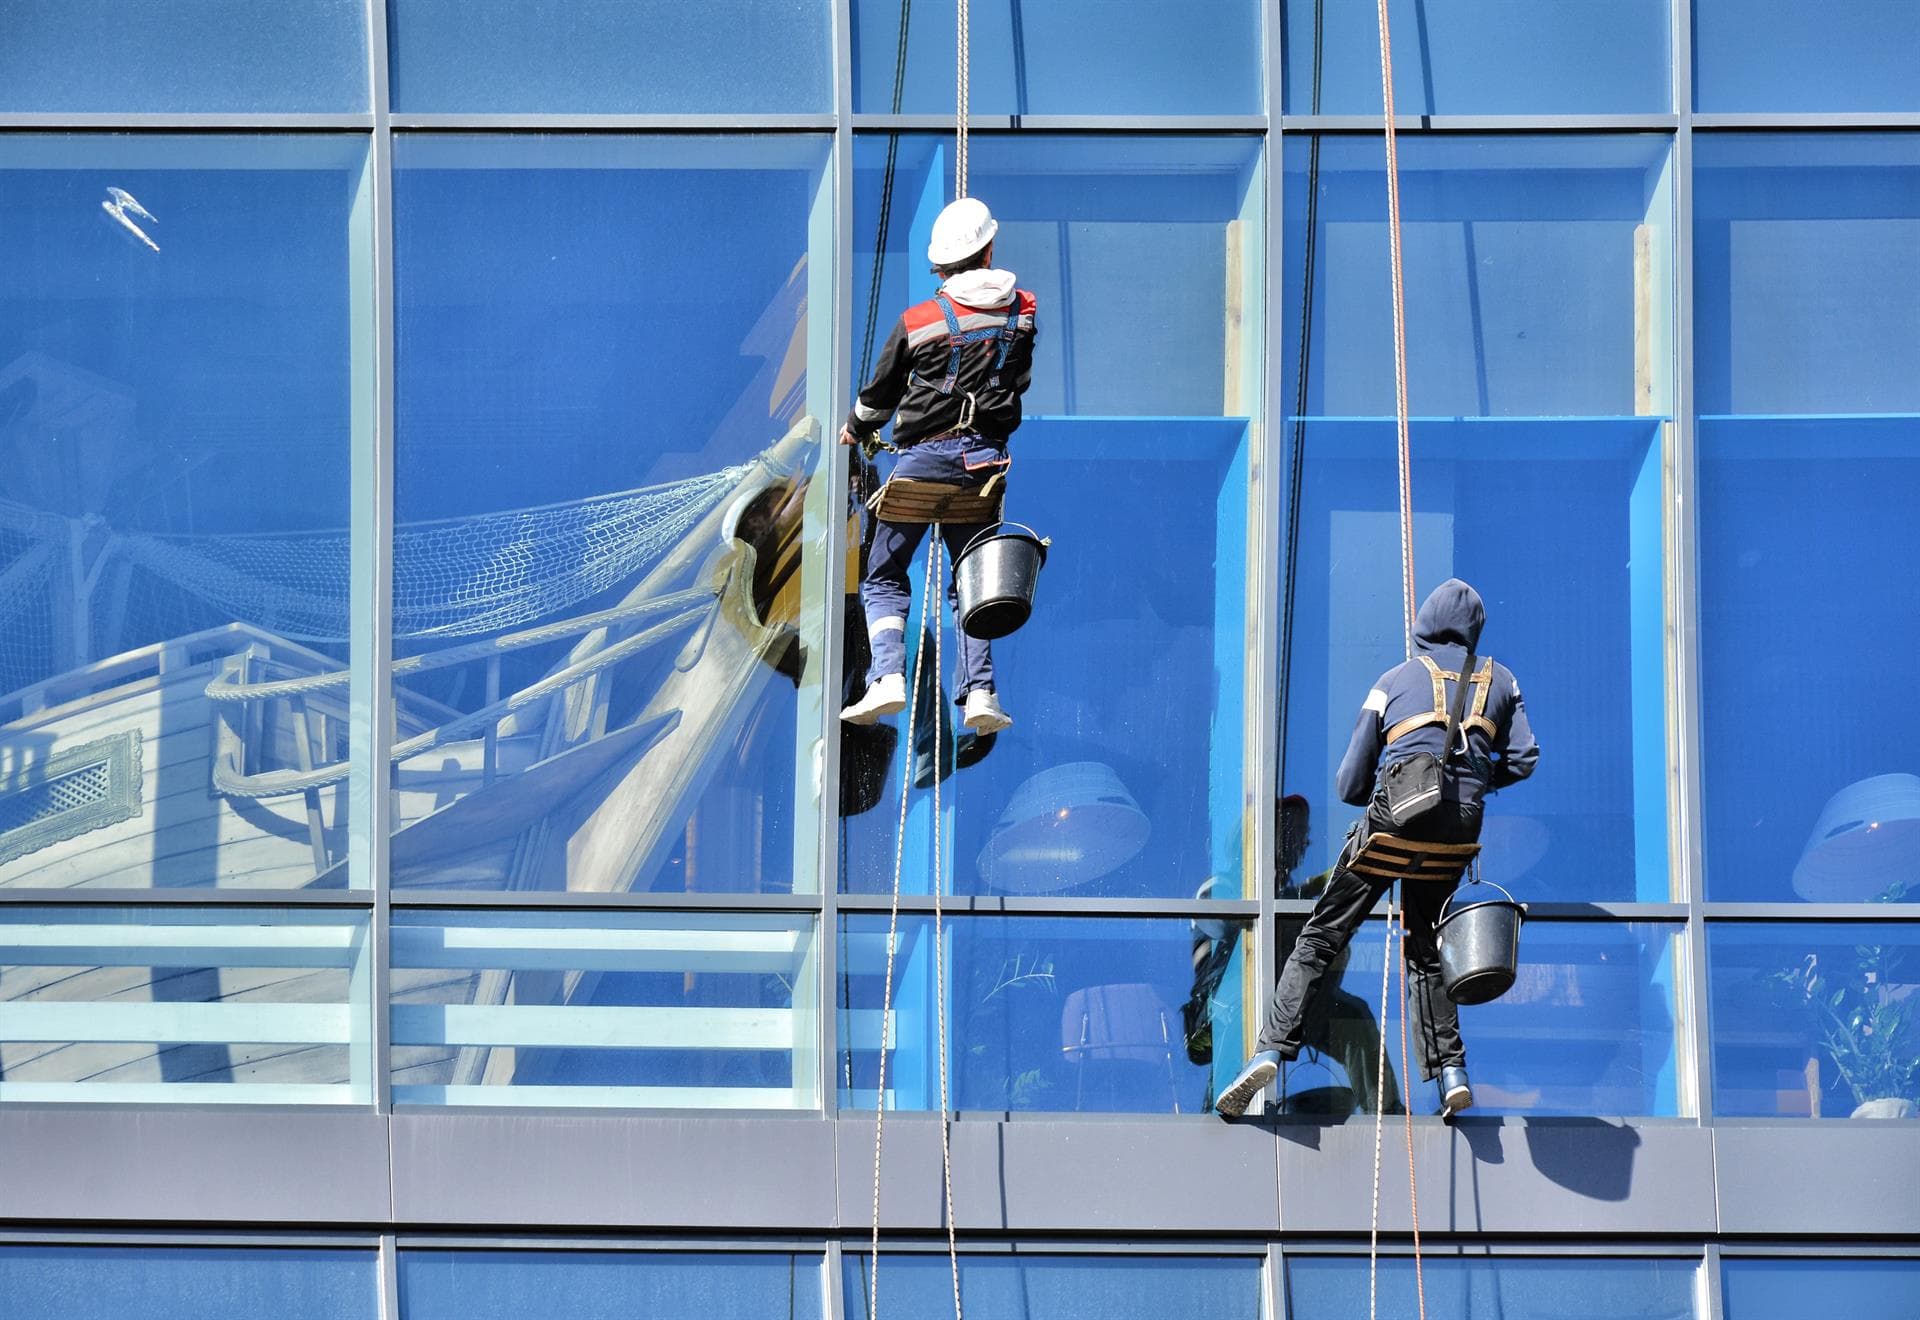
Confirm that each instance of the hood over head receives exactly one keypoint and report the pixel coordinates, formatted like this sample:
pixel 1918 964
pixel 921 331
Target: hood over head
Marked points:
pixel 983 288
pixel 1452 616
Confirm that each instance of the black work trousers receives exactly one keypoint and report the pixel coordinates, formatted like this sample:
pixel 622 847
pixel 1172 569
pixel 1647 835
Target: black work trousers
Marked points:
pixel 1339 914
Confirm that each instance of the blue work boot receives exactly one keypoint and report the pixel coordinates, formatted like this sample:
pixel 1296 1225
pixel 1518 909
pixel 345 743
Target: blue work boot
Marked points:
pixel 1260 1071
pixel 1455 1093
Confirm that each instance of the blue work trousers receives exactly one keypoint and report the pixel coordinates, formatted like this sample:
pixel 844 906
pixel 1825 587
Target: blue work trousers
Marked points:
pixel 886 592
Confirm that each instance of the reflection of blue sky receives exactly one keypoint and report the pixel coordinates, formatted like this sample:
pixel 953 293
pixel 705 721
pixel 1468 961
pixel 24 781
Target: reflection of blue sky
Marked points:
pixel 1587 1289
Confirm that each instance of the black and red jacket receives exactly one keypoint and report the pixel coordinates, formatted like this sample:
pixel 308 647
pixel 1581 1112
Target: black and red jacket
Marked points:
pixel 924 384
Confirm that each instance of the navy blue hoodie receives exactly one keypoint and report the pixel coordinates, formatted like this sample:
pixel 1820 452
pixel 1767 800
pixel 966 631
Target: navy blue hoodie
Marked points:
pixel 1447 626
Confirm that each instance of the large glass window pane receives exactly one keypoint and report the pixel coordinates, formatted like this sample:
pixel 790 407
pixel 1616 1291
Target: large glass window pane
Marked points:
pixel 607 1285
pixel 1815 1021
pixel 1782 55
pixel 608 569
pixel 178 56
pixel 1587 1029
pixel 1117 57
pixel 610 56
pixel 1137 1015
pixel 177 362
pixel 1788 1289
pixel 1807 282
pixel 1537 296
pixel 1484 57
pixel 616 1008
pixel 1122 774
pixel 208 1283
pixel 184 1005
pixel 1323 1287
pixel 1132 1287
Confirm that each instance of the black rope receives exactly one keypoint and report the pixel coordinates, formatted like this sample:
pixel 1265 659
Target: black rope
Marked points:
pixel 1296 458
pixel 886 193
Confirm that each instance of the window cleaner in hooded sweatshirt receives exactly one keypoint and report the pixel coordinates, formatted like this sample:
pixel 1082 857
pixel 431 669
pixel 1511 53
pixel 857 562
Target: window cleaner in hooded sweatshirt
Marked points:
pixel 1395 722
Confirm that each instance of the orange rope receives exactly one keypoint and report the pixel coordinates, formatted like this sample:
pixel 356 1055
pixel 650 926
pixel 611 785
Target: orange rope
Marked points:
pixel 1399 331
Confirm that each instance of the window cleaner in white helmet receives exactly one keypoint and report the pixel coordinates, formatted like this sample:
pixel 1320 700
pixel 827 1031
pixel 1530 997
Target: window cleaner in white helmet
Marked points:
pixel 950 377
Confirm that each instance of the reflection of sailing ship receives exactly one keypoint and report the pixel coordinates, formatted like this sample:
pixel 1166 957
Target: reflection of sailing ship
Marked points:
pixel 221 755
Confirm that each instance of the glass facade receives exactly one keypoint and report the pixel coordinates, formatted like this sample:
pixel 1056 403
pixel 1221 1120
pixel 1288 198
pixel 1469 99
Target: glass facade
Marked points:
pixel 429 586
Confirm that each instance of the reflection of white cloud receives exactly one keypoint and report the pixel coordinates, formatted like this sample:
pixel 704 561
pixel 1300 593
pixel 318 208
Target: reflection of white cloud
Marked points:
pixel 122 206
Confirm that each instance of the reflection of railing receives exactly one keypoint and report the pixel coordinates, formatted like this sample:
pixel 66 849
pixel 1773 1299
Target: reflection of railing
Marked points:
pixel 126 1033
pixel 537 1008
pixel 232 685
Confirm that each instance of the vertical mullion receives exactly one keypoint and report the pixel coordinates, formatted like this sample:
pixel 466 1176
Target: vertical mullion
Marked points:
pixel 375 672
pixel 1275 1270
pixel 1266 697
pixel 1709 1293
pixel 833 467
pixel 1683 574
pixel 389 1277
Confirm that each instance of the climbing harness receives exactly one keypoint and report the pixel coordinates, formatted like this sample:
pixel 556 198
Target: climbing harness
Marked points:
pixel 1481 683
pixel 933 594
pixel 957 341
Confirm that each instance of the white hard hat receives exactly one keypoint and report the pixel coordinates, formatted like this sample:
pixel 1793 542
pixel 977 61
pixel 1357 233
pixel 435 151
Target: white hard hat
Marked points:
pixel 961 230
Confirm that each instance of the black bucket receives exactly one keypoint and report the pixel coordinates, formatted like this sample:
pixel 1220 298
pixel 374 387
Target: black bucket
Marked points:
pixel 994 578
pixel 1479 946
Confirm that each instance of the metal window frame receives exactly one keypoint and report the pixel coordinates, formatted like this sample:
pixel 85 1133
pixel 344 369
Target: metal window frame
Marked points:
pixel 1690 915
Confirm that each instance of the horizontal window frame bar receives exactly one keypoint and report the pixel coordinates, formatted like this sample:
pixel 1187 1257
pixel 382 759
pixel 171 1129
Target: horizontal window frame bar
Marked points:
pixel 537 122
pixel 1674 914
pixel 1516 124
pixel 1470 1249
pixel 145 122
pixel 354 899
pixel 1177 124
pixel 292 1240
pixel 558 900
pixel 731 1245
pixel 1811 913
pixel 1714 122
pixel 1041 906
pixel 856 1243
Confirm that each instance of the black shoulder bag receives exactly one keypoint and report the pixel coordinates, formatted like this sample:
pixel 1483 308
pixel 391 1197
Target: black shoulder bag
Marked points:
pixel 1414 783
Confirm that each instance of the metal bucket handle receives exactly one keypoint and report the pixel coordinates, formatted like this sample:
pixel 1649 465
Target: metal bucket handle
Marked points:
pixel 1444 914
pixel 993 529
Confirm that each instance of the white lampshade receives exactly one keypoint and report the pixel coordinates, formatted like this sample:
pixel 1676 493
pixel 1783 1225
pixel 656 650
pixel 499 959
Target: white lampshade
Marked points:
pixel 1866 840
pixel 1063 827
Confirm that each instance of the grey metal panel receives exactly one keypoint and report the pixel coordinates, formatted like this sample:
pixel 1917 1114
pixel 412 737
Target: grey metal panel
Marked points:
pixel 1542 1176
pixel 1118 1175
pixel 756 1171
pixel 205 1166
pixel 1814 1177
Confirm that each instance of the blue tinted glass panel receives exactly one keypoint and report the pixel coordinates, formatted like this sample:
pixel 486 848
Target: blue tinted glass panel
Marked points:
pixel 184 1005
pixel 1319 1288
pixel 1807 276
pixel 1487 57
pixel 1529 399
pixel 1060 1014
pixel 1121 57
pixel 99 56
pixel 1059 1287
pixel 1806 273
pixel 1783 1289
pixel 616 1009
pixel 1815 1021
pixel 176 387
pixel 605 1285
pixel 609 56
pixel 163 1283
pixel 1780 55
pixel 609 395
pixel 1587 1029
pixel 1133 459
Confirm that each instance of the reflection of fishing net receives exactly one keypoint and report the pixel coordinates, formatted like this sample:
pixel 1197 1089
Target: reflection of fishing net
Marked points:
pixel 458 577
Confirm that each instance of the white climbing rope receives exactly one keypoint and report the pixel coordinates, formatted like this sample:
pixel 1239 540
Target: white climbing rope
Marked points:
pixel 930 601
pixel 1404 456
pixel 962 75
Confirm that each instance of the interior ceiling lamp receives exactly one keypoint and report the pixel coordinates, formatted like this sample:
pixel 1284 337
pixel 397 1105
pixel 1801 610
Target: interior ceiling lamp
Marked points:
pixel 1063 827
pixel 1866 840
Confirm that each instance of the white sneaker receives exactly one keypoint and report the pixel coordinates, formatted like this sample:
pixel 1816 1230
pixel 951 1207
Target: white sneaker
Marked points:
pixel 983 713
pixel 886 695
